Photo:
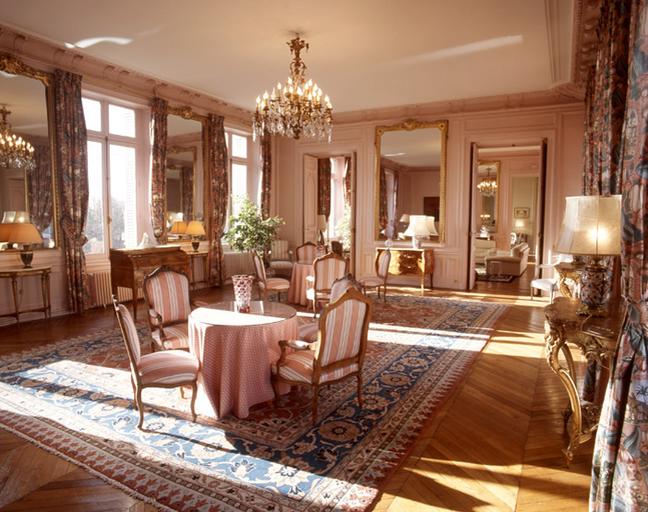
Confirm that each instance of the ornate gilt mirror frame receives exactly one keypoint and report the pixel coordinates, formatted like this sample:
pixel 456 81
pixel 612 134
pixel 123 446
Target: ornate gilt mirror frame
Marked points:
pixel 410 125
pixel 496 174
pixel 13 66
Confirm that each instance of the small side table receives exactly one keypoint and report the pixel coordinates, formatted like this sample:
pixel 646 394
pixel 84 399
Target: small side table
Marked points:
pixel 18 274
pixel 204 256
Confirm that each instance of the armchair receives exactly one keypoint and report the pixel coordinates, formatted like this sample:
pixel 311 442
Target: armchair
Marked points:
pixel 326 270
pixel 383 258
pixel 306 252
pixel 268 284
pixel 514 263
pixel 280 258
pixel 339 353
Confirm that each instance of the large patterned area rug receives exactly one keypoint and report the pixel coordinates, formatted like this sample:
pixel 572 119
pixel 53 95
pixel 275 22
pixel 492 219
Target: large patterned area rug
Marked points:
pixel 74 399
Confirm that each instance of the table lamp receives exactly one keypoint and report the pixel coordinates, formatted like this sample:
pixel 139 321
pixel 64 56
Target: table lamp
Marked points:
pixel 592 227
pixel 417 229
pixel 24 233
pixel 195 229
pixel 430 223
pixel 179 227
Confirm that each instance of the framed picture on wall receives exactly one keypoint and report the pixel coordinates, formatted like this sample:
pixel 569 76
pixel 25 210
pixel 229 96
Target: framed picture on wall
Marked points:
pixel 521 213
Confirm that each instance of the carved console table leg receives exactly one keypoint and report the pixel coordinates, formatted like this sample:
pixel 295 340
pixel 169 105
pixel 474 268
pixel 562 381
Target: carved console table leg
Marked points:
pixel 16 297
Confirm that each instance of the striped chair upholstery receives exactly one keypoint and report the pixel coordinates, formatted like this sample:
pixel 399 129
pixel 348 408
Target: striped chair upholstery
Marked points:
pixel 167 295
pixel 327 269
pixel 383 259
pixel 281 258
pixel 268 284
pixel 306 252
pixel 167 369
pixel 338 354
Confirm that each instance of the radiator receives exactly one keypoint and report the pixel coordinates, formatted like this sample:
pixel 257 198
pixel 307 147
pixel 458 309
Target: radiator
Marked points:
pixel 101 290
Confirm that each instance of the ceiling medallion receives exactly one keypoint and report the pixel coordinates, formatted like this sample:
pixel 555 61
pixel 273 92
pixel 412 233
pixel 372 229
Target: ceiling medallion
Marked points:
pixel 15 152
pixel 296 108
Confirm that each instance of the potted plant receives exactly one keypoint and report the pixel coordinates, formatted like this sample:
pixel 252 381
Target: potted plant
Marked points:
pixel 250 231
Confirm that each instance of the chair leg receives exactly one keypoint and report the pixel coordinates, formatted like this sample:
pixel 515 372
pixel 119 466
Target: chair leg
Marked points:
pixel 182 392
pixel 275 388
pixel 194 395
pixel 384 293
pixel 360 390
pixel 314 403
pixel 140 407
pixel 134 393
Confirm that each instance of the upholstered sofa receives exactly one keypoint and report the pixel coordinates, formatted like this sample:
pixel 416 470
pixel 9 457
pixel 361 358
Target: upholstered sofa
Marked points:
pixel 482 249
pixel 514 263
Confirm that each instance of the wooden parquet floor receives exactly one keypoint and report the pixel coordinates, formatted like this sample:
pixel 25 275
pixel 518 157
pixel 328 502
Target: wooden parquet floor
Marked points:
pixel 495 445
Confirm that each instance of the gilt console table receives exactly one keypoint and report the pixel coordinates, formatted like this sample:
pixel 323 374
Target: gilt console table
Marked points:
pixel 596 338
pixel 17 275
pixel 410 261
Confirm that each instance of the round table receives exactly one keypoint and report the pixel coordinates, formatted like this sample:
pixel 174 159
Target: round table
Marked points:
pixel 297 291
pixel 236 351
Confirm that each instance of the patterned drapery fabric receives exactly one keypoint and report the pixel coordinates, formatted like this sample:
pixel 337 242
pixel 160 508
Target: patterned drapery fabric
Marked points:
pixel 619 468
pixel 348 173
pixel 186 180
pixel 383 216
pixel 39 189
pixel 72 182
pixel 266 174
pixel 158 167
pixel 218 193
pixel 324 187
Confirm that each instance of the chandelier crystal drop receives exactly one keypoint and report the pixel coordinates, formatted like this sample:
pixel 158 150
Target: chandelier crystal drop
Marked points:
pixel 488 186
pixel 15 152
pixel 297 108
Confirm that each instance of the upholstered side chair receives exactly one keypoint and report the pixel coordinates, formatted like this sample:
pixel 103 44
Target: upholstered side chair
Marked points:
pixel 276 285
pixel 281 258
pixel 383 259
pixel 326 269
pixel 166 292
pixel 337 355
pixel 306 253
pixel 165 369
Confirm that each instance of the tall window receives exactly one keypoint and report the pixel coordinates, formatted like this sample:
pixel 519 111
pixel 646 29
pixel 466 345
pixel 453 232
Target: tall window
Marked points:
pixel 112 171
pixel 239 148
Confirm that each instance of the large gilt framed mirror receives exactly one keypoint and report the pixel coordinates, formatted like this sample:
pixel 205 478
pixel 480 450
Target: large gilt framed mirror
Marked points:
pixel 184 168
pixel 488 179
pixel 27 188
pixel 411 177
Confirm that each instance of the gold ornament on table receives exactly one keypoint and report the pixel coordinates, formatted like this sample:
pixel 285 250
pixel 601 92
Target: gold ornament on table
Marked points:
pixel 297 108
pixel 15 152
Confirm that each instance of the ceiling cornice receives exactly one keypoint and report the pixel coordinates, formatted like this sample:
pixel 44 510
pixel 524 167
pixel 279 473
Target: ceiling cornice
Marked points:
pixel 47 56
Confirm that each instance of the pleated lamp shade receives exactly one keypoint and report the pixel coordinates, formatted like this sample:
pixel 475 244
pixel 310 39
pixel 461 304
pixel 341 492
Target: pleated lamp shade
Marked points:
pixel 24 233
pixel 195 228
pixel 4 231
pixel 431 226
pixel 591 226
pixel 179 227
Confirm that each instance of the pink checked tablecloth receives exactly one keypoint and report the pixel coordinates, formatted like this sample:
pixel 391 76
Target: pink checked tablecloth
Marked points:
pixel 297 290
pixel 235 352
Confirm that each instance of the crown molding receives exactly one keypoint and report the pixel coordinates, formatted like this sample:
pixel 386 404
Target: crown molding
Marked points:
pixel 47 56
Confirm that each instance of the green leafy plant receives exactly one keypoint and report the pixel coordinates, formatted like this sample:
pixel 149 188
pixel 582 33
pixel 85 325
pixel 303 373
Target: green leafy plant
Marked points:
pixel 249 230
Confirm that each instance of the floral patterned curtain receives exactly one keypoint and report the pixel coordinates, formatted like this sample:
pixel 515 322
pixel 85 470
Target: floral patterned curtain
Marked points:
pixel 186 181
pixel 605 101
pixel 619 475
pixel 383 216
pixel 158 167
pixel 218 194
pixel 347 180
pixel 324 187
pixel 72 182
pixel 39 189
pixel 266 174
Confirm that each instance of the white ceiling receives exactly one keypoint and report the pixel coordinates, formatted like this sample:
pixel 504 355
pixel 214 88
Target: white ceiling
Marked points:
pixel 416 148
pixel 364 54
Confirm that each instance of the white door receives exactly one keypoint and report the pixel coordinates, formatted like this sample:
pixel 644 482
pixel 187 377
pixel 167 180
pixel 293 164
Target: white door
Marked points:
pixel 474 197
pixel 310 198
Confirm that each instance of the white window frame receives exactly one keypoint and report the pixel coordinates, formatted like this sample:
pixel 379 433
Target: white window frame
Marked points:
pixel 106 139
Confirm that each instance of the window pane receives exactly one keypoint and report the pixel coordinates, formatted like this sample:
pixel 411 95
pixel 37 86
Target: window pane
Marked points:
pixel 121 121
pixel 122 197
pixel 239 146
pixel 239 186
pixel 92 114
pixel 94 229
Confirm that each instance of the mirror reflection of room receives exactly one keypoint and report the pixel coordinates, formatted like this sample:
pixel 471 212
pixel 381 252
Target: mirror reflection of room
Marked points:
pixel 26 184
pixel 410 182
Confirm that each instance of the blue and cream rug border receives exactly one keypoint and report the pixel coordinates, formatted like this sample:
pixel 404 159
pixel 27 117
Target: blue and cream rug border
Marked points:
pixel 74 398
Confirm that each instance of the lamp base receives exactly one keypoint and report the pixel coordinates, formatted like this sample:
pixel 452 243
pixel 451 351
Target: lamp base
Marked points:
pixel 26 257
pixel 416 242
pixel 594 290
pixel 195 244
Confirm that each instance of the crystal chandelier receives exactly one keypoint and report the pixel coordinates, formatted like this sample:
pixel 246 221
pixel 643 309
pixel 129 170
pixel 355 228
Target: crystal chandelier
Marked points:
pixel 488 186
pixel 15 152
pixel 295 108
